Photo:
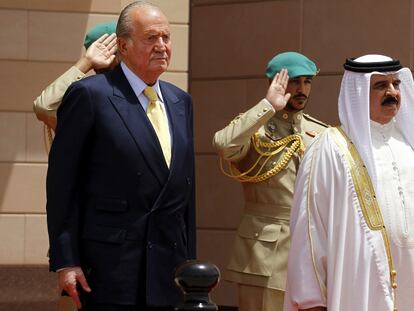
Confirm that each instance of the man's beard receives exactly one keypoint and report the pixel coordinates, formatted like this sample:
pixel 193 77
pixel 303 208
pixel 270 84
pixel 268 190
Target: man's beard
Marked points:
pixel 304 101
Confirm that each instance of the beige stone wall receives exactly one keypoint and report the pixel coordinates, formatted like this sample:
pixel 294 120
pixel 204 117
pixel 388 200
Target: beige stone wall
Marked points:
pixel 40 39
pixel 230 45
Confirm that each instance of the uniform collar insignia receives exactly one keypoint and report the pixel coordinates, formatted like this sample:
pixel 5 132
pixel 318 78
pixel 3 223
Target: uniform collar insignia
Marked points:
pixel 290 117
pixel 312 133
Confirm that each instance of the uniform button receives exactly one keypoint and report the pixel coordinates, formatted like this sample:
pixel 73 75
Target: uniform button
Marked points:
pixel 188 181
pixel 259 114
pixel 265 109
pixel 256 235
pixel 149 245
pixel 175 244
pixel 299 117
pixel 285 116
pixel 295 129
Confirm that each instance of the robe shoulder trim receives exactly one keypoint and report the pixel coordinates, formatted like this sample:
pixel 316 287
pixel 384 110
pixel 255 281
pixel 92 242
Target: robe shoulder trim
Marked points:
pixel 362 181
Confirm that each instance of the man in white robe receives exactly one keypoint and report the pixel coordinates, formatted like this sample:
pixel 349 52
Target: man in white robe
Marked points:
pixel 352 220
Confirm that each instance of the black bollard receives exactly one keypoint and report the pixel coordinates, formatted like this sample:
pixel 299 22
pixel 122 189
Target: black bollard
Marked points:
pixel 197 279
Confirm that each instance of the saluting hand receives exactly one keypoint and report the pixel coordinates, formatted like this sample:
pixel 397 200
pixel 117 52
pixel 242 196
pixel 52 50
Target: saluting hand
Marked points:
pixel 68 280
pixel 276 94
pixel 101 53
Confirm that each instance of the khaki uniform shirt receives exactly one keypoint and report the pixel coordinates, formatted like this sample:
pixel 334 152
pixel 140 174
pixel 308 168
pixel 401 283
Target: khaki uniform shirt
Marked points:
pixel 261 246
pixel 46 105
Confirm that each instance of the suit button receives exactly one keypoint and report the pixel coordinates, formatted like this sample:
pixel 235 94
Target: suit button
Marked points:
pixel 188 181
pixel 149 245
pixel 175 244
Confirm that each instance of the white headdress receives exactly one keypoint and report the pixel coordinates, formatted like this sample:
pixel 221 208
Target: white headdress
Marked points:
pixel 353 104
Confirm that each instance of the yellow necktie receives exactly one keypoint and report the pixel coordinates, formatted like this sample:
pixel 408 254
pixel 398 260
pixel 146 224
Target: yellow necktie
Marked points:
pixel 156 114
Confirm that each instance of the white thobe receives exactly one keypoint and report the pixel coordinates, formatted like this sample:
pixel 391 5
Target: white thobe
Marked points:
pixel 336 260
pixel 394 160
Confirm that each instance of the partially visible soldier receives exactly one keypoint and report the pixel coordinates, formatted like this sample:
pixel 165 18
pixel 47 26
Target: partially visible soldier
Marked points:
pixel 100 45
pixel 262 149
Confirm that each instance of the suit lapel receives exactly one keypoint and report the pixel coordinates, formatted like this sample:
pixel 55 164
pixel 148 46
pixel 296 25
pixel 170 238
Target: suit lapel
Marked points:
pixel 130 110
pixel 176 114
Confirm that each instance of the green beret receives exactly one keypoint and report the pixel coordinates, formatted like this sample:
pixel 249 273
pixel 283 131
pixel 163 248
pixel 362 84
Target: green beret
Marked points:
pixel 98 31
pixel 297 65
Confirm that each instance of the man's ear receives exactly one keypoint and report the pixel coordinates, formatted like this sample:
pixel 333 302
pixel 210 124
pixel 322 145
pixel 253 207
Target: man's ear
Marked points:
pixel 122 45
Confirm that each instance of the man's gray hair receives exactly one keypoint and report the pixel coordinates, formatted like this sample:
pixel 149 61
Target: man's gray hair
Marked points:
pixel 124 25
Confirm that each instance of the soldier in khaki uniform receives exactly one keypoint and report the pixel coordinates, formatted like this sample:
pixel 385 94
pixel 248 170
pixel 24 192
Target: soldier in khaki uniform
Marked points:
pixel 262 148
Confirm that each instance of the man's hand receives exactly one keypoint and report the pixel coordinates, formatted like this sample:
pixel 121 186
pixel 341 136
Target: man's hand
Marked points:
pixel 99 55
pixel 69 278
pixel 277 89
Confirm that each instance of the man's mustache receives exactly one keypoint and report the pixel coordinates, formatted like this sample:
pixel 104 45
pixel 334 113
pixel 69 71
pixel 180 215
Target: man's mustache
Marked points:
pixel 390 100
pixel 300 96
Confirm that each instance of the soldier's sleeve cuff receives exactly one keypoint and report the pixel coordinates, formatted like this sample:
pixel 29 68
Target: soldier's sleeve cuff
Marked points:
pixel 263 110
pixel 267 104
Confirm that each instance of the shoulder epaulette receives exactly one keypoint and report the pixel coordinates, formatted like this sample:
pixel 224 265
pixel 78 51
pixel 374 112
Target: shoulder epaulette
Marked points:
pixel 308 117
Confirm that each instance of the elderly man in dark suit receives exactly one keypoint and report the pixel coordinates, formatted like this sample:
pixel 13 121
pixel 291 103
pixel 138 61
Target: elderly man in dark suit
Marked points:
pixel 120 184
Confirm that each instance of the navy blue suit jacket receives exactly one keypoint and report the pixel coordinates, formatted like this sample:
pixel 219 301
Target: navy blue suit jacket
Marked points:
pixel 113 206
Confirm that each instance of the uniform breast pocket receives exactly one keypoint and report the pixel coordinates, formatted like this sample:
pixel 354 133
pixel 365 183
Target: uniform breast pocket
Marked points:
pixel 255 245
